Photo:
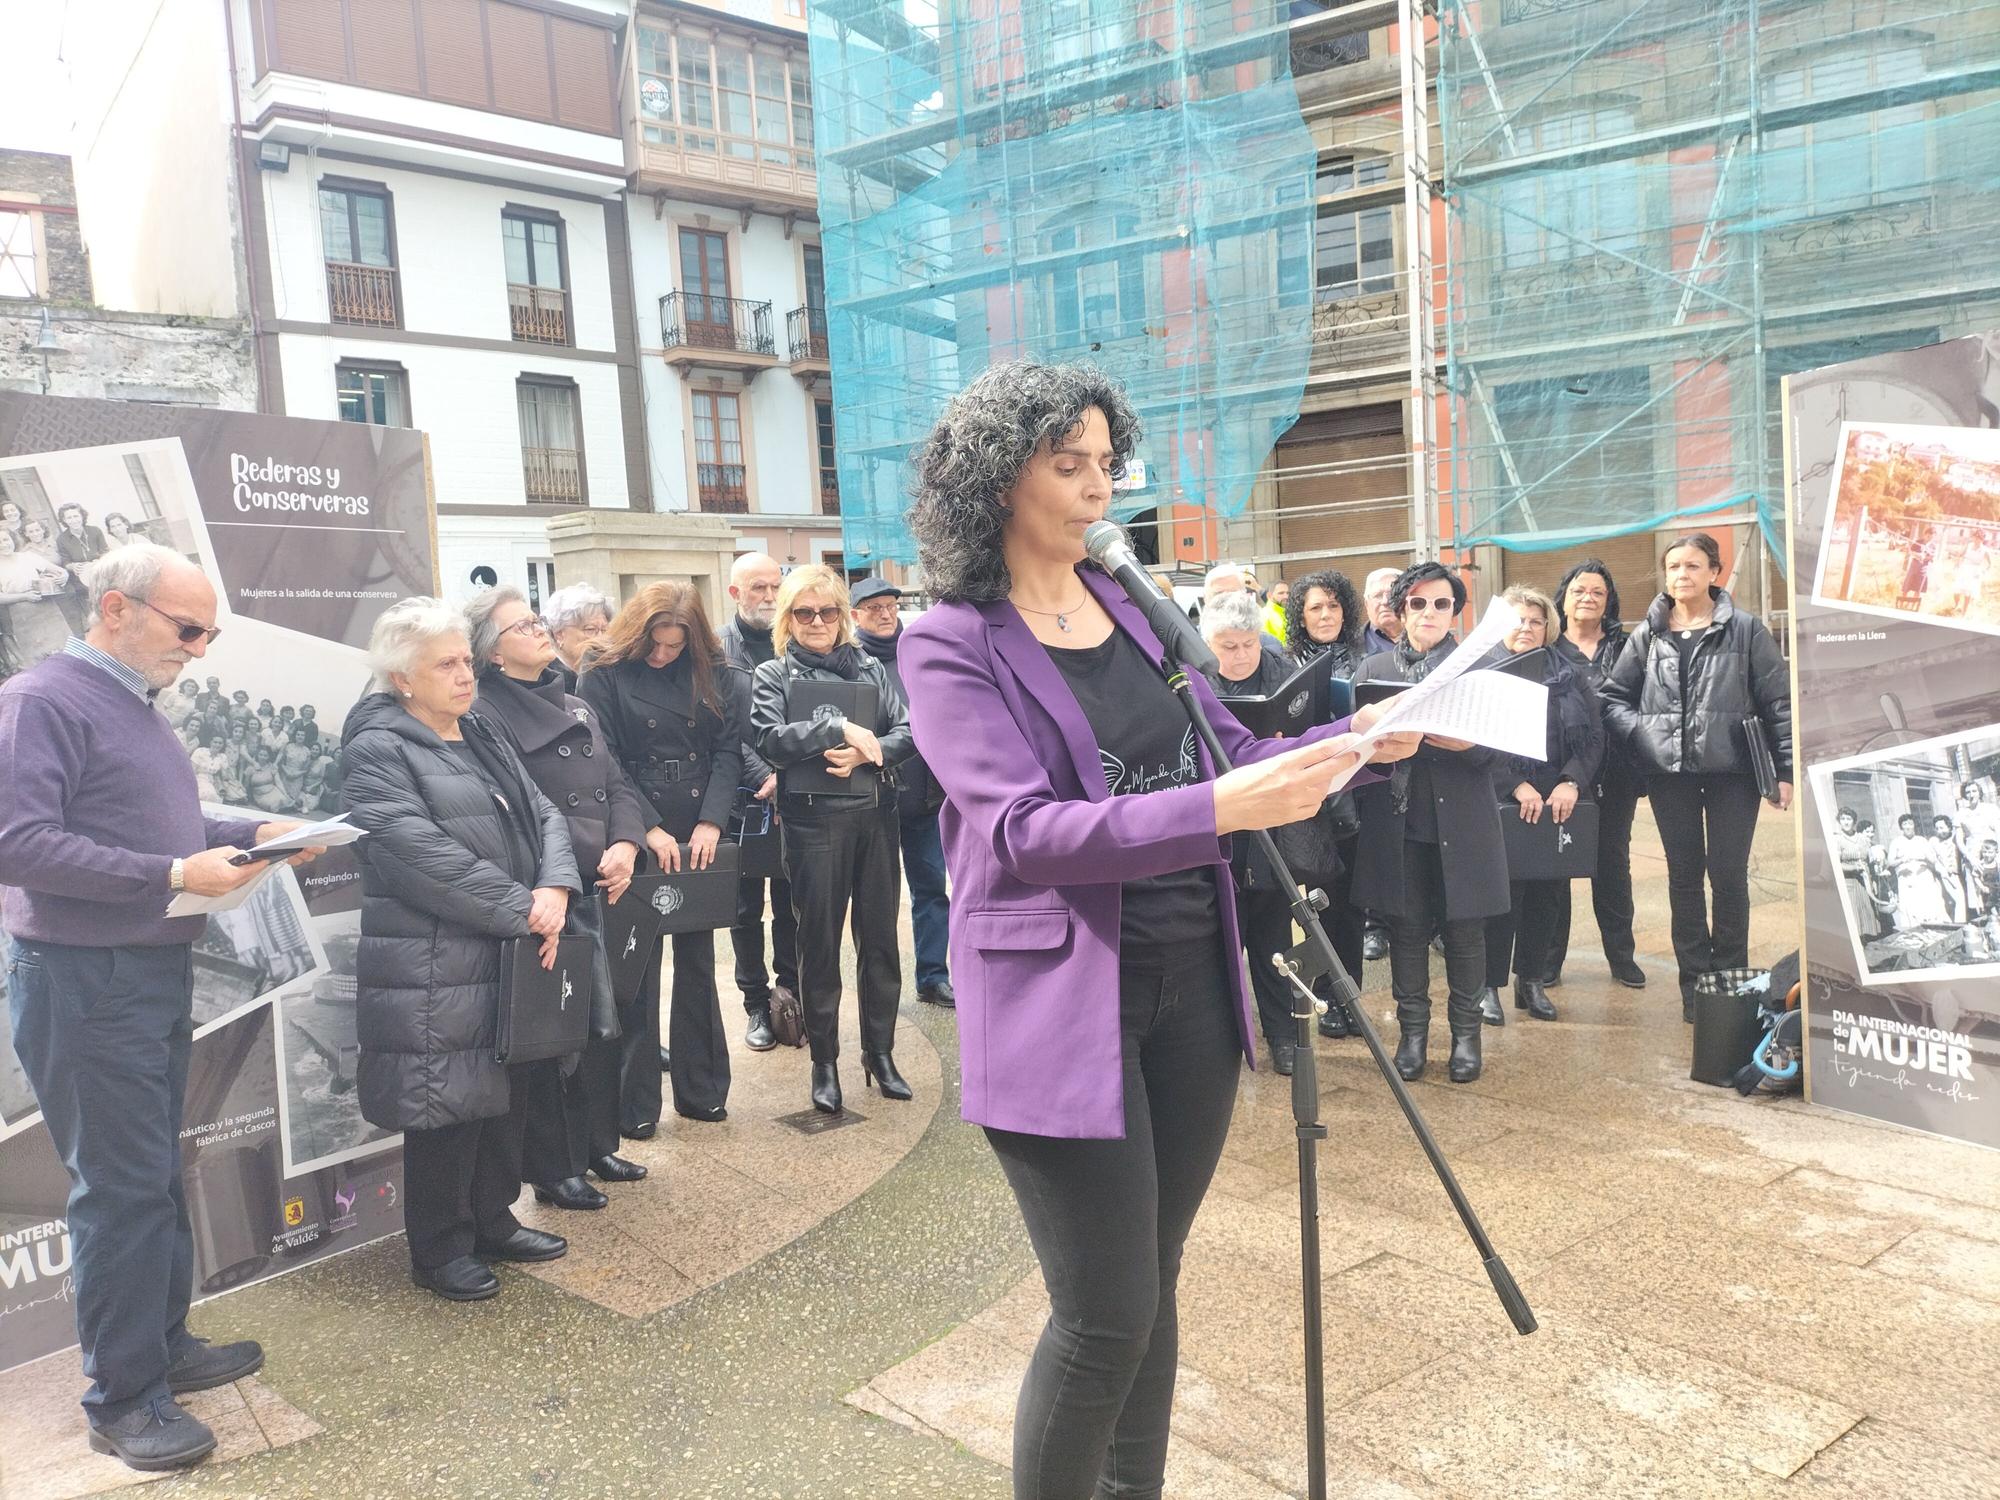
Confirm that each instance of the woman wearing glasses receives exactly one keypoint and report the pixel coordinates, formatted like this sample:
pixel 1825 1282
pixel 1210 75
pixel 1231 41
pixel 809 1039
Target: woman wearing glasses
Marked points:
pixel 840 847
pixel 1432 857
pixel 671 710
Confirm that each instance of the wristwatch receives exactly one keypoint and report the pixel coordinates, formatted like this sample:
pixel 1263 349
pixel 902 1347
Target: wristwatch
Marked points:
pixel 177 876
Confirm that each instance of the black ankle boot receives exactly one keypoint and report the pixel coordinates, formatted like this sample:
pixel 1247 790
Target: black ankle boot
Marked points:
pixel 826 1088
pixel 1531 997
pixel 1490 1010
pixel 1465 1061
pixel 880 1068
pixel 1411 1051
pixel 1335 1022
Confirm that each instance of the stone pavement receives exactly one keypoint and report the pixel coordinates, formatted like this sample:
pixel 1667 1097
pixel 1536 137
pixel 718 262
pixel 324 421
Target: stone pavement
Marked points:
pixel 1738 1298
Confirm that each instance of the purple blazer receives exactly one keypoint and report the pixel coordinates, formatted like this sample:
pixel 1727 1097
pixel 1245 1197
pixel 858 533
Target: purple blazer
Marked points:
pixel 1038 848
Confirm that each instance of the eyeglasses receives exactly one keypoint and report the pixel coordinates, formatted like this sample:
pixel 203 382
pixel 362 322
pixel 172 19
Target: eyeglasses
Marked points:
pixel 189 632
pixel 826 614
pixel 1420 604
pixel 526 625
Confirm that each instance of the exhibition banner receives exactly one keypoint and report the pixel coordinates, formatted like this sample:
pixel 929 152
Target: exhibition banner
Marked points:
pixel 309 530
pixel 1893 468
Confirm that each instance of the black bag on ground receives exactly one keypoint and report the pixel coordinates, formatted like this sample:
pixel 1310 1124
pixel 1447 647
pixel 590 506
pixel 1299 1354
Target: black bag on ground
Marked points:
pixel 1728 1023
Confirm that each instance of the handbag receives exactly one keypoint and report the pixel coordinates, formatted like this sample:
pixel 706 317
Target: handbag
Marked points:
pixel 1763 765
pixel 788 1017
pixel 544 1013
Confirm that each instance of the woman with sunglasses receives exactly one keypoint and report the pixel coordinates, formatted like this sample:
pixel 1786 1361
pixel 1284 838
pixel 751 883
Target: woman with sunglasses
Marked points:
pixel 671 709
pixel 840 847
pixel 1432 857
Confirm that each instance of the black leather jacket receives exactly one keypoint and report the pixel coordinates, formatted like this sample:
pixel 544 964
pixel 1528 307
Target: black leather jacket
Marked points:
pixel 784 743
pixel 1668 725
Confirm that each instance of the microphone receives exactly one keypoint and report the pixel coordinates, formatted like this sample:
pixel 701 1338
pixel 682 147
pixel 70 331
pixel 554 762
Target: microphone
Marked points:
pixel 1107 547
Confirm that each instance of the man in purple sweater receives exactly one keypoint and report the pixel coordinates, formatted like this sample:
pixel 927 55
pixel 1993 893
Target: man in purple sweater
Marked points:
pixel 100 825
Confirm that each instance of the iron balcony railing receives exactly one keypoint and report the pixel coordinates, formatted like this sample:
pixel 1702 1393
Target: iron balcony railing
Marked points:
pixel 722 488
pixel 540 313
pixel 361 294
pixel 554 475
pixel 805 331
pixel 694 320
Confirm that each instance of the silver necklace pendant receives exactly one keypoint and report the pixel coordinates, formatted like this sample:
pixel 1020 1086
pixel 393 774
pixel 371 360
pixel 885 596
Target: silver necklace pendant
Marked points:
pixel 1062 622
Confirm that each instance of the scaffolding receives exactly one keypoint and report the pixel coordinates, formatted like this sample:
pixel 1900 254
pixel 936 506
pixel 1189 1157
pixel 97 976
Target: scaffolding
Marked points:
pixel 1659 208
pixel 1123 181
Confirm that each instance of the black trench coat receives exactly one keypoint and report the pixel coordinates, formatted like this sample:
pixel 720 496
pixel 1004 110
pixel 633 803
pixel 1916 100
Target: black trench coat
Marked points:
pixel 685 759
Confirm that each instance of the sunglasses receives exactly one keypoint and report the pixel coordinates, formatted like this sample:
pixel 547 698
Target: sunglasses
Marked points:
pixel 189 633
pixel 1420 605
pixel 826 614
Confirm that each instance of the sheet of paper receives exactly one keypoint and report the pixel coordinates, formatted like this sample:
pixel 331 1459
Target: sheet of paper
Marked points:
pixel 324 835
pixel 188 904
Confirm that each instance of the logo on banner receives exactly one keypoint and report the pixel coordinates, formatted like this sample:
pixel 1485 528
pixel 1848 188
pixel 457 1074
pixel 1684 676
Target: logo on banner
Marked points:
pixel 295 1212
pixel 669 899
pixel 39 1253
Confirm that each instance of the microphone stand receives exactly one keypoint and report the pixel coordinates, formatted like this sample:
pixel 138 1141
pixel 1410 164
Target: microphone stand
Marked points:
pixel 1313 957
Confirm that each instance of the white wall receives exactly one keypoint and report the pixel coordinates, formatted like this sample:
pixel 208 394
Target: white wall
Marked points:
pixel 155 180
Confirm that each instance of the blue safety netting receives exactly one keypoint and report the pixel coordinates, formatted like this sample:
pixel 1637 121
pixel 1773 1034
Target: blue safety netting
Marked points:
pixel 1126 182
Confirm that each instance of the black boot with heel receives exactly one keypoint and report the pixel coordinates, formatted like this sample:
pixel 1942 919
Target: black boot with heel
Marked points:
pixel 826 1088
pixel 879 1068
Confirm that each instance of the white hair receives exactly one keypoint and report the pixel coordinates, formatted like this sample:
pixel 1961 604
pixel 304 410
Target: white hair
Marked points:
pixel 479 627
pixel 1368 583
pixel 402 631
pixel 1234 610
pixel 1214 576
pixel 132 570
pixel 572 606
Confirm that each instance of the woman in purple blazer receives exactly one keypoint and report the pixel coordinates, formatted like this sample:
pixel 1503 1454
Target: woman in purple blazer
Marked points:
pixel 1102 1010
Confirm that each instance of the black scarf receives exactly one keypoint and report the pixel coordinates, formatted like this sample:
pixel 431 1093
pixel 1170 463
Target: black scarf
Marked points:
pixel 755 635
pixel 1416 665
pixel 843 662
pixel 881 647
pixel 1310 651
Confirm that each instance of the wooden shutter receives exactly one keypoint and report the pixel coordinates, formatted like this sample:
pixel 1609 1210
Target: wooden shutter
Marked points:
pixel 1348 459
pixel 584 76
pixel 306 38
pixel 385 44
pixel 455 52
pixel 519 43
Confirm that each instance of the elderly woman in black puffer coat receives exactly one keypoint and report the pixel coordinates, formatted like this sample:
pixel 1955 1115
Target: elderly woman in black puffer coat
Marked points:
pixel 462 853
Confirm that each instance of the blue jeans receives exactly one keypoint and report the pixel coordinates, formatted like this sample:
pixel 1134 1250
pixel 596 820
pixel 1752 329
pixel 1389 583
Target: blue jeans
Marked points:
pixel 105 1035
pixel 930 912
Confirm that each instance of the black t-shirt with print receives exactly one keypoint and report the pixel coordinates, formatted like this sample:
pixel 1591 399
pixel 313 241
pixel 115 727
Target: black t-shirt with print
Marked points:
pixel 1147 745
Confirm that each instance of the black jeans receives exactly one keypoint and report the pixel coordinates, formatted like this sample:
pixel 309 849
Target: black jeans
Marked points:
pixel 1410 932
pixel 105 1035
pixel 747 938
pixel 836 857
pixel 1519 940
pixel 695 1037
pixel 1707 824
pixel 572 1119
pixel 460 1182
pixel 1108 1220
pixel 1610 882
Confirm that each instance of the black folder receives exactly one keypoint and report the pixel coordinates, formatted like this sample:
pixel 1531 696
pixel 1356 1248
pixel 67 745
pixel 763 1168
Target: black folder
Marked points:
pixel 808 698
pixel 631 935
pixel 544 1013
pixel 760 851
pixel 1546 849
pixel 1763 765
pixel 1308 698
pixel 1379 691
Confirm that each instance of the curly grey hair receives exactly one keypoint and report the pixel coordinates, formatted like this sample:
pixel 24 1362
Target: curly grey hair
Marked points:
pixel 1235 610
pixel 575 605
pixel 976 452
pixel 480 630
pixel 401 632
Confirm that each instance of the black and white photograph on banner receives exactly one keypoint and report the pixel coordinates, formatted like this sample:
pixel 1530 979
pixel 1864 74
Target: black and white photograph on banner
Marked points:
pixel 1916 830
pixel 245 954
pixel 317 1053
pixel 61 512
pixel 17 1098
pixel 1915 525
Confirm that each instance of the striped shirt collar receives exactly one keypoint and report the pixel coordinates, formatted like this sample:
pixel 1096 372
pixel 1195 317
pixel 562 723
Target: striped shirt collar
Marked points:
pixel 81 649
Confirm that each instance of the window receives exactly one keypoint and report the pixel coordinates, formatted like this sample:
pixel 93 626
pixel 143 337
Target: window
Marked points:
pixel 20 268
pixel 725 95
pixel 705 276
pixel 551 462
pixel 358 238
pixel 815 278
pixel 142 486
pixel 1101 295
pixel 1556 216
pixel 720 480
pixel 1354 250
pixel 829 474
pixel 537 302
pixel 1844 162
pixel 377 394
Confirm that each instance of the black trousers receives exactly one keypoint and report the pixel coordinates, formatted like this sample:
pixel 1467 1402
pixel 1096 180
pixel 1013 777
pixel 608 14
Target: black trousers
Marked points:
pixel 834 858
pixel 1610 882
pixel 1108 1220
pixel 572 1118
pixel 105 1036
pixel 1707 824
pixel 1518 941
pixel 1265 918
pixel 460 1182
pixel 695 1037
pixel 1410 932
pixel 747 938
